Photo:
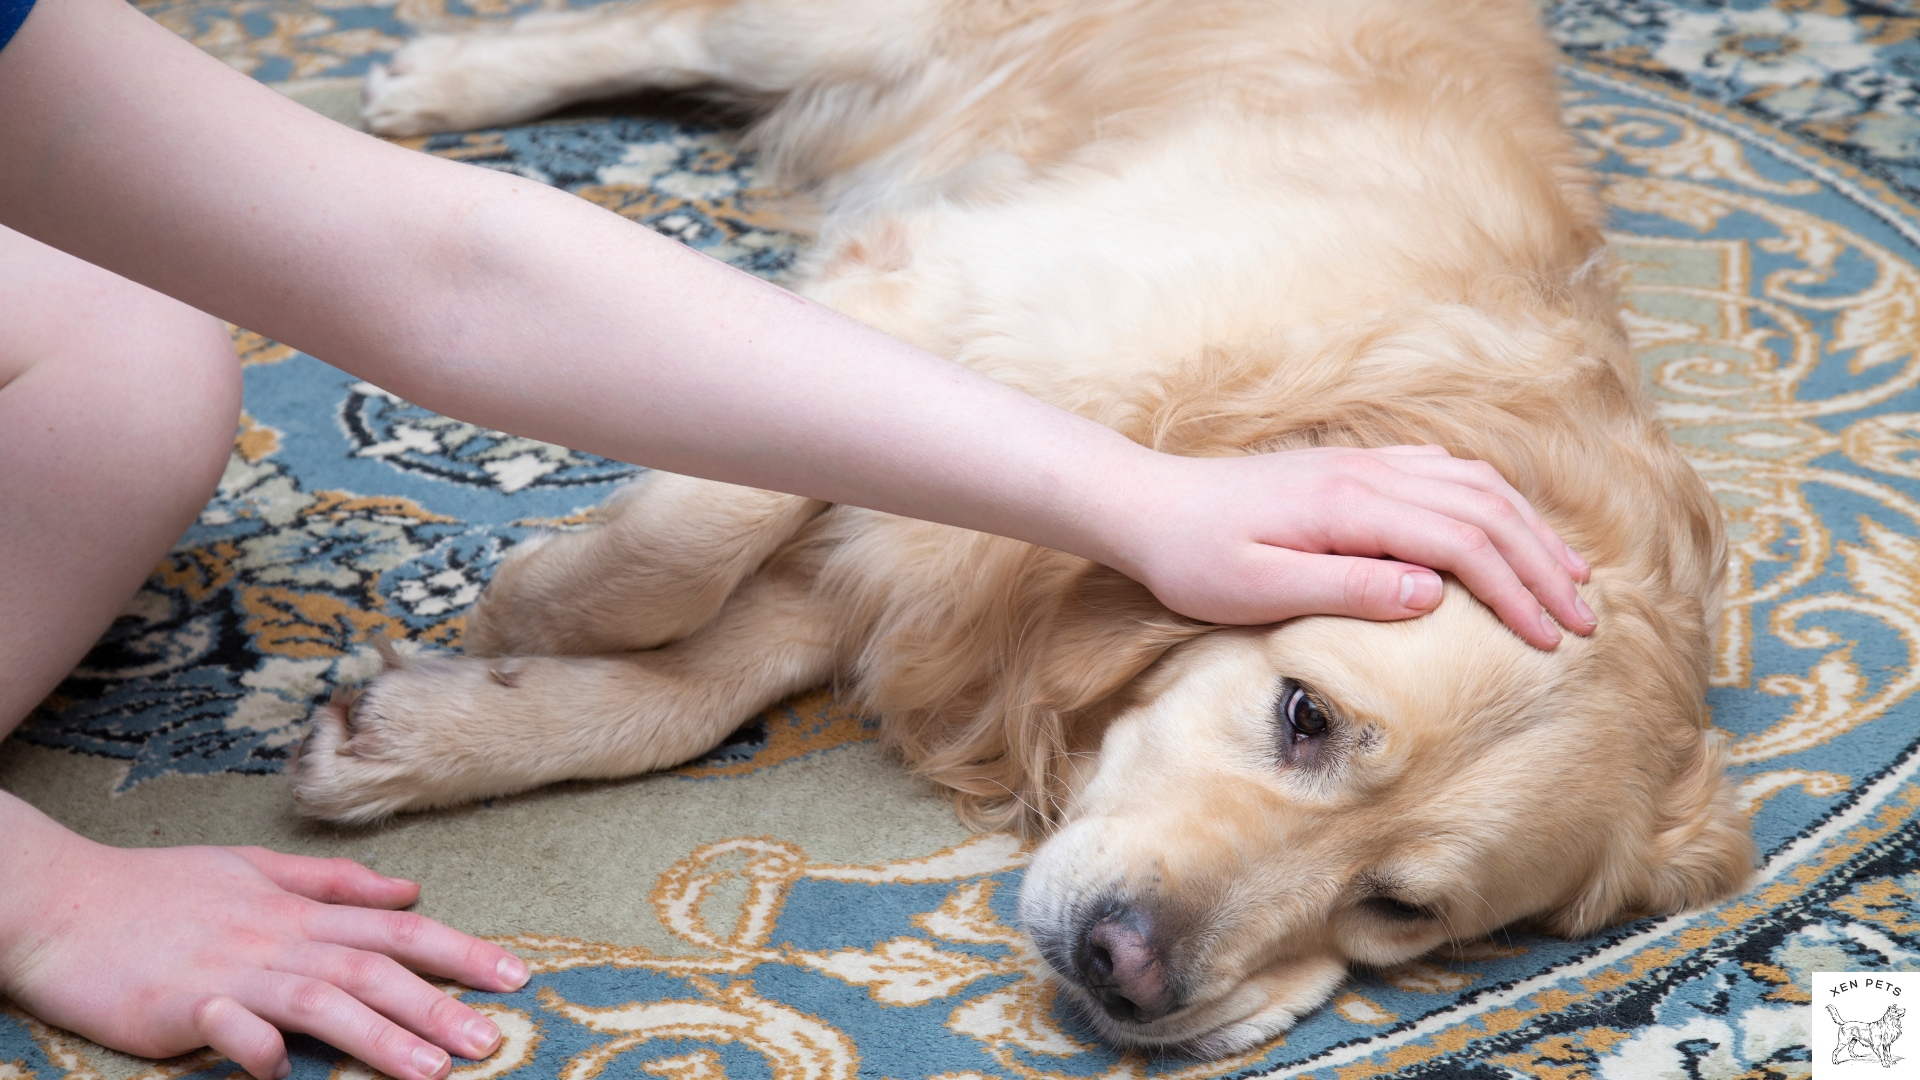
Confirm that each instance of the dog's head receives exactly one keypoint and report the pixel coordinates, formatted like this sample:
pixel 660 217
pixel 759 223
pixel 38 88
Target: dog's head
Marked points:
pixel 1269 806
pixel 1236 816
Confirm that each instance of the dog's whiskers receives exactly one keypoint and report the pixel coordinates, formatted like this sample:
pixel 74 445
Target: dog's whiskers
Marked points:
pixel 1486 930
pixel 1016 796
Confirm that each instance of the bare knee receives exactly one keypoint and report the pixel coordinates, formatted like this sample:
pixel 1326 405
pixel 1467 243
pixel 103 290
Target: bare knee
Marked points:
pixel 182 391
pixel 142 387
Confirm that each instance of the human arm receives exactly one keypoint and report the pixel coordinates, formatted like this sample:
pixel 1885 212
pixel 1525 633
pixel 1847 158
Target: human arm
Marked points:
pixel 497 300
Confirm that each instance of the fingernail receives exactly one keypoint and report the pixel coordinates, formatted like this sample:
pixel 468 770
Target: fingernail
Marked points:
pixel 431 1060
pixel 1579 563
pixel 1580 605
pixel 1552 628
pixel 1419 589
pixel 512 971
pixel 283 1070
pixel 482 1035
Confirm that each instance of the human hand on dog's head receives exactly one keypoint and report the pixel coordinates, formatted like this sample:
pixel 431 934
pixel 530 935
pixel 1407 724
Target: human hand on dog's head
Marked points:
pixel 1340 531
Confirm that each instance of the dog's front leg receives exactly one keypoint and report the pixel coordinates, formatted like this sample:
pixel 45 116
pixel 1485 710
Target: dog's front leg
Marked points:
pixel 445 729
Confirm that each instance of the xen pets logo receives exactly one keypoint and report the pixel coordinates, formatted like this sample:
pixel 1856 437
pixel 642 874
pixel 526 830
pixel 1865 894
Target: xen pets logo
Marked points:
pixel 1857 1020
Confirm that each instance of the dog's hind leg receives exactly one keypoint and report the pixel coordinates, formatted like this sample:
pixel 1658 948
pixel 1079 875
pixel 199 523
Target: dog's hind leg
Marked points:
pixel 445 729
pixel 755 48
pixel 673 549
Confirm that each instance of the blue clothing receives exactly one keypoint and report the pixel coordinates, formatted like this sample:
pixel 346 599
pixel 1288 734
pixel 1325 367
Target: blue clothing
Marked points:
pixel 12 14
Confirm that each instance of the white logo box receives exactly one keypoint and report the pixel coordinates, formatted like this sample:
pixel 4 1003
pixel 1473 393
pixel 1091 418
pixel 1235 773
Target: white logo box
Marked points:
pixel 1863 1024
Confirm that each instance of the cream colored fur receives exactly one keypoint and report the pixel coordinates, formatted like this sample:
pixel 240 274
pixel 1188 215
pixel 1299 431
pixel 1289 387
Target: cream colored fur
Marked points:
pixel 1221 227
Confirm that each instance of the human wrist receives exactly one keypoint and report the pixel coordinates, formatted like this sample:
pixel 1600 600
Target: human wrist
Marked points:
pixel 37 854
pixel 1123 490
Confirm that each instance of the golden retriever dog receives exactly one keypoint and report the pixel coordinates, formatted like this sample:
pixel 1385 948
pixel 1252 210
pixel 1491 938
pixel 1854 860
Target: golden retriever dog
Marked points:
pixel 1220 227
pixel 1859 1039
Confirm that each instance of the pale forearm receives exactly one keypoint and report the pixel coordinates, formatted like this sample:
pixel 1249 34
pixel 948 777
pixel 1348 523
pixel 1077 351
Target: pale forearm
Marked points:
pixel 506 303
pixel 577 327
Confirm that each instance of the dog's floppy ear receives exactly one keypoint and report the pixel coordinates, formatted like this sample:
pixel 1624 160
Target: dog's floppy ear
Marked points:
pixel 1703 849
pixel 1679 839
pixel 1084 633
pixel 1104 629
pixel 1695 847
pixel 1101 631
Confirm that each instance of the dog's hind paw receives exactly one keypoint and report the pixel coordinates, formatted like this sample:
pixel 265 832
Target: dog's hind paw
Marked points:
pixel 418 92
pixel 445 83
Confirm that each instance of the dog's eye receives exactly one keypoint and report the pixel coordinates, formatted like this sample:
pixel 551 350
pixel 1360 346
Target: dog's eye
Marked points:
pixel 1394 909
pixel 1302 727
pixel 1303 715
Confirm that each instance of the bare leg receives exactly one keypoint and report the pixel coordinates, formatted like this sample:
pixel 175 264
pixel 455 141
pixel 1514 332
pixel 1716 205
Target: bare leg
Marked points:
pixel 117 411
pixel 440 730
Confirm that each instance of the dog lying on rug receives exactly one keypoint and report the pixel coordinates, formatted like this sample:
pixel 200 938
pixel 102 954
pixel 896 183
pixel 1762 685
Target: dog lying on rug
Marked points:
pixel 1221 227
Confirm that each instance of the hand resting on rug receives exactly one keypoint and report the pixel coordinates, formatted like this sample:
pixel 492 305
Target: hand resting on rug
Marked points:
pixel 500 301
pixel 158 951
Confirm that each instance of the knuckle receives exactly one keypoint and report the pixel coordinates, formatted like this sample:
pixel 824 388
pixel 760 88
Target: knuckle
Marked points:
pixel 1471 540
pixel 1362 587
pixel 1344 489
pixel 211 1012
pixel 447 1014
pixel 311 998
pixel 1499 510
pixel 217 1016
pixel 481 956
pixel 1486 473
pixel 337 874
pixel 387 1042
pixel 1361 464
pixel 363 970
pixel 289 909
pixel 405 929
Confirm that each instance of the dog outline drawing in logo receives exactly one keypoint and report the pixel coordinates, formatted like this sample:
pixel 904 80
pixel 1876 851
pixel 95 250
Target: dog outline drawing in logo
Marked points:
pixel 1859 1039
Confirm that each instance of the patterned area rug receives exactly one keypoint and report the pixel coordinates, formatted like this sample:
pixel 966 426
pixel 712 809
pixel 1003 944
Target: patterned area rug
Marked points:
pixel 792 907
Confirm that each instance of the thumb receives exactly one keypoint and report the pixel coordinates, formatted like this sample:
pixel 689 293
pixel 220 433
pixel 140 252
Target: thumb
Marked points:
pixel 224 1024
pixel 1294 583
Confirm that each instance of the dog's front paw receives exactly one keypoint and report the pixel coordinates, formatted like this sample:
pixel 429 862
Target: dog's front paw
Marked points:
pixel 430 731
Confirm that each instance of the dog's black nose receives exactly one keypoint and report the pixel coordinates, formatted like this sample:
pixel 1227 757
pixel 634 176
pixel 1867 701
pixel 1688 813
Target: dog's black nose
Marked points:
pixel 1117 960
